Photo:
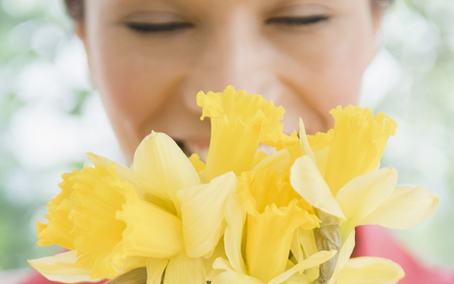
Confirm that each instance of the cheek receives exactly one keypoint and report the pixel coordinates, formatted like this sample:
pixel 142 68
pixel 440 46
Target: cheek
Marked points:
pixel 324 72
pixel 133 82
pixel 134 86
pixel 341 69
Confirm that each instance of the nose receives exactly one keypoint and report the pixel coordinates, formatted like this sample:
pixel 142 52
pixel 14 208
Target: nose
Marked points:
pixel 232 52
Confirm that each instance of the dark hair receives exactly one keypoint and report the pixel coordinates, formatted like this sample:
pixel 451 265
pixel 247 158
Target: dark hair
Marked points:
pixel 75 8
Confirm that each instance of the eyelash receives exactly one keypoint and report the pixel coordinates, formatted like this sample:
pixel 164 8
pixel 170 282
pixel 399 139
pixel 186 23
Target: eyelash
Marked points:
pixel 170 27
pixel 297 21
pixel 158 28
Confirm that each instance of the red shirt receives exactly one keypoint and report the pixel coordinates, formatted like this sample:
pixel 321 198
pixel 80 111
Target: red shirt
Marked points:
pixel 377 241
pixel 370 241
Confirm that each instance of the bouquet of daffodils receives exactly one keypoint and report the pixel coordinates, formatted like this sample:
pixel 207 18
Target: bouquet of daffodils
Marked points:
pixel 242 216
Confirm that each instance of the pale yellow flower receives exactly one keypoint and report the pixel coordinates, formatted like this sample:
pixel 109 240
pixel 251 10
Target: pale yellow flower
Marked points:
pixel 337 174
pixel 237 217
pixel 355 145
pixel 366 195
pixel 239 122
pixel 156 214
pixel 58 228
pixel 94 197
pixel 273 212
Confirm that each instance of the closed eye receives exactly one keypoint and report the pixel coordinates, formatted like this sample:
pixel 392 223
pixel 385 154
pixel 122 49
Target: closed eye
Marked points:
pixel 297 21
pixel 158 28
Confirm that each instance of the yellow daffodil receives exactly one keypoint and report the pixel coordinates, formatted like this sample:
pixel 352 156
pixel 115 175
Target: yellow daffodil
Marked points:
pixel 364 190
pixel 58 228
pixel 155 215
pixel 244 216
pixel 272 212
pixel 360 194
pixel 239 122
pixel 355 145
pixel 94 197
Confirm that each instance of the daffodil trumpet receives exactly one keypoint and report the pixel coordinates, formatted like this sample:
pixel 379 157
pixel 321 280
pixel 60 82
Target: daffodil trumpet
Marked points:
pixel 241 216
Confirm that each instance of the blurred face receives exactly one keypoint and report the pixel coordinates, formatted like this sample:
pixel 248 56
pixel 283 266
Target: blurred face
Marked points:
pixel 149 58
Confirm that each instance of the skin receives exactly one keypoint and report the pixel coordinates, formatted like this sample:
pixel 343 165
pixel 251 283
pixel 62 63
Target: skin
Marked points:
pixel 148 79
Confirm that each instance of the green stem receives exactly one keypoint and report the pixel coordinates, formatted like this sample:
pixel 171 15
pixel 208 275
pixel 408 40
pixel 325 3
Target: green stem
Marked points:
pixel 327 237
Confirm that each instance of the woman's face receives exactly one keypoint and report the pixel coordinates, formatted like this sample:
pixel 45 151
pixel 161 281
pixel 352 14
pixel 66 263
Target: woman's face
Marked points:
pixel 149 58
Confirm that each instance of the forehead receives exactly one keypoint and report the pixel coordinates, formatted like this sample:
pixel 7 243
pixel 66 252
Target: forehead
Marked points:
pixel 212 5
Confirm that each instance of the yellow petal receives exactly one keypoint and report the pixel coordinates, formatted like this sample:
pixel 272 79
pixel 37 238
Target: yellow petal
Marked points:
pixel 259 189
pixel 282 141
pixel 344 255
pixel 406 208
pixel 229 276
pixel 320 144
pixel 58 228
pixel 358 144
pixel 304 143
pixel 313 261
pixel 303 244
pixel 296 247
pixel 307 241
pixel 155 269
pixel 233 277
pixel 127 175
pixel 308 182
pixel 238 123
pixel 62 268
pixel 278 161
pixel 300 278
pixel 364 194
pixel 203 212
pixel 123 172
pixel 151 231
pixel 185 270
pixel 98 195
pixel 164 169
pixel 197 163
pixel 274 210
pixel 235 216
pixel 370 270
pixel 208 262
pixel 259 156
pixel 266 257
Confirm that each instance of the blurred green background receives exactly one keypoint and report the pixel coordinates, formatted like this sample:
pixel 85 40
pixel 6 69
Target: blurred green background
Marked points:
pixel 50 115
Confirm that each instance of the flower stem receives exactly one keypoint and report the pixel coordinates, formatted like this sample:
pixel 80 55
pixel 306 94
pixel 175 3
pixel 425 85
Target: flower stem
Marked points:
pixel 327 237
